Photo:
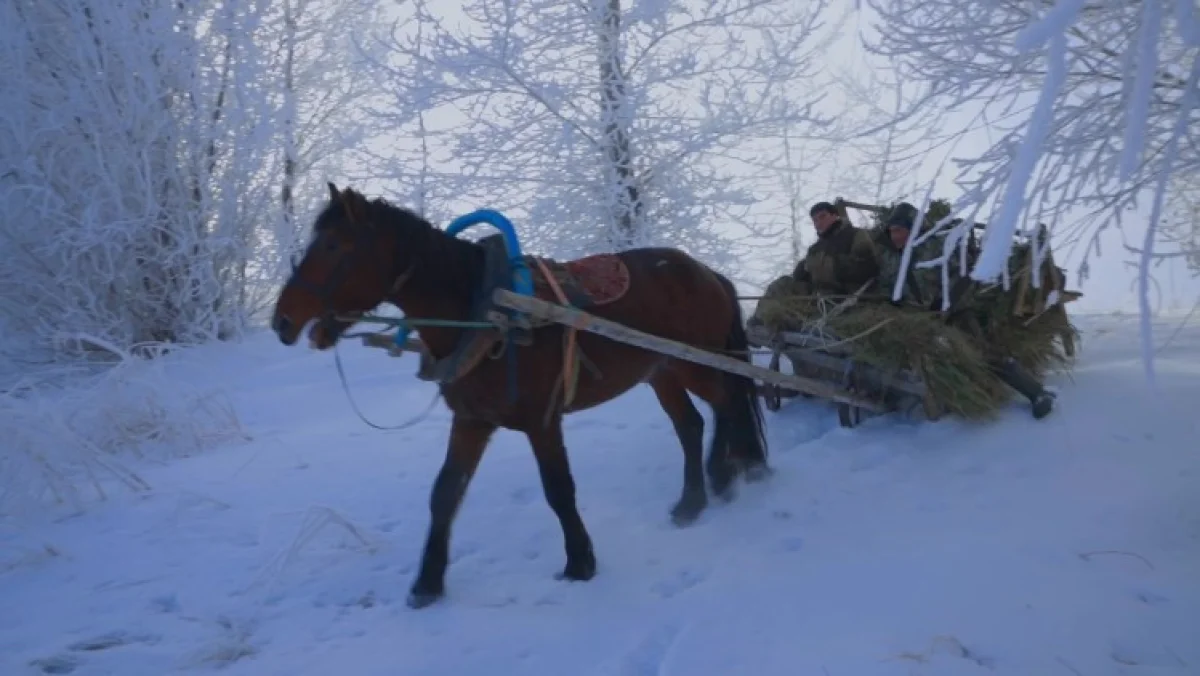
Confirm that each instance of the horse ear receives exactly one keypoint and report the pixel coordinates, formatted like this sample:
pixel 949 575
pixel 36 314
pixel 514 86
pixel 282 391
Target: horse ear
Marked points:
pixel 355 205
pixel 334 194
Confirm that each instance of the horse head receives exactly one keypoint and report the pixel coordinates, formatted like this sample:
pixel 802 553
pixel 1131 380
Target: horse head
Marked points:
pixel 357 256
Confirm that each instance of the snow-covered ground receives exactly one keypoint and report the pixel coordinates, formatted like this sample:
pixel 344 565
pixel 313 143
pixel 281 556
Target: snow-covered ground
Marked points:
pixel 1069 546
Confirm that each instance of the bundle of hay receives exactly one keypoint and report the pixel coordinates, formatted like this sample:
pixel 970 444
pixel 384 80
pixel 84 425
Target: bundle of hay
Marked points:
pixel 951 363
pixel 1020 322
pixel 1043 343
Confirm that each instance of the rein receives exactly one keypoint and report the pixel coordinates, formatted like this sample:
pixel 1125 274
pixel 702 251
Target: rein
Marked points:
pixel 401 322
pixel 411 323
pixel 337 360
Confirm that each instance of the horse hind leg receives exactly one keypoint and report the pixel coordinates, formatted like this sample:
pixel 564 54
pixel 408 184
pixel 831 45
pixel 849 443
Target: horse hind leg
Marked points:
pixel 689 427
pixel 705 383
pixel 738 443
pixel 738 402
pixel 746 436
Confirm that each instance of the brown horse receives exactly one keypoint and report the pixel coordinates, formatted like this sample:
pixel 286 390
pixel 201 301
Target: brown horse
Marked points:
pixel 364 253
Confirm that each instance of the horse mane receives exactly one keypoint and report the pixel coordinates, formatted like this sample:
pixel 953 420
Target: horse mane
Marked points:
pixel 442 264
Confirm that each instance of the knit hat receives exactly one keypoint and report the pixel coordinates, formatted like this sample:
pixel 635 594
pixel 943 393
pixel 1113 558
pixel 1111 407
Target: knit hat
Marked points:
pixel 903 216
pixel 822 206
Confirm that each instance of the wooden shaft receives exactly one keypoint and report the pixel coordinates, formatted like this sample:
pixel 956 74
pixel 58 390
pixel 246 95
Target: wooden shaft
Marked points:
pixel 620 333
pixel 862 207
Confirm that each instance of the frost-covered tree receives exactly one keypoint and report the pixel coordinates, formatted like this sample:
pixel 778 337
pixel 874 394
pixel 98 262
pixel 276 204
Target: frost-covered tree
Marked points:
pixel 1090 105
pixel 147 153
pixel 607 124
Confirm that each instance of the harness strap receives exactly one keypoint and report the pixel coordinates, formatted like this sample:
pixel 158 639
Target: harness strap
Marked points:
pixel 570 372
pixel 474 344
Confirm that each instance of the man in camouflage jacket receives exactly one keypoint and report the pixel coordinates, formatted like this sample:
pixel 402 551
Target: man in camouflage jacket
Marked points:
pixel 922 286
pixel 841 260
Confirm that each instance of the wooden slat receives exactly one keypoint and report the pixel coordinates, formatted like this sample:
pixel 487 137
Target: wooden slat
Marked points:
pixel 762 337
pixel 903 381
pixel 876 377
pixel 614 331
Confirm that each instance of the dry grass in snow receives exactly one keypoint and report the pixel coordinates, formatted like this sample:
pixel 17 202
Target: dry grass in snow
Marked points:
pixel 65 445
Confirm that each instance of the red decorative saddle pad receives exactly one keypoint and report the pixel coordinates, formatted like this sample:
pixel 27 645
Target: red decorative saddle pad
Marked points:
pixel 591 281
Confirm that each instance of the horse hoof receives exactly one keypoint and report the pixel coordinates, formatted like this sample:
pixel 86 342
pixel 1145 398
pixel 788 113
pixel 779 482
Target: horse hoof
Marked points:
pixel 684 518
pixel 758 473
pixel 424 595
pixel 724 490
pixel 580 571
pixel 419 600
pixel 720 481
pixel 687 511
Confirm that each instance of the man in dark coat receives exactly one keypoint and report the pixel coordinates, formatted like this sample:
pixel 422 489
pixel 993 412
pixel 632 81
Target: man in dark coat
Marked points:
pixel 841 260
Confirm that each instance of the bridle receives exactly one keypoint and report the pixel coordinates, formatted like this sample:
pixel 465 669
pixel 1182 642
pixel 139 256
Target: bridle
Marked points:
pixel 348 261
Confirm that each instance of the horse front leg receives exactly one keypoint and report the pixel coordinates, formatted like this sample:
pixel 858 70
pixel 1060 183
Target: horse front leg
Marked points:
pixel 468 440
pixel 559 487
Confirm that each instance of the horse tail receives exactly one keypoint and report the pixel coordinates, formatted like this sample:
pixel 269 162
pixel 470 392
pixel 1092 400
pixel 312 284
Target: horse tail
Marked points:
pixel 748 439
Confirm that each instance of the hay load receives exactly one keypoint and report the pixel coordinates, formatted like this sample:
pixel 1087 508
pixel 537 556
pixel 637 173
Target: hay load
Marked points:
pixel 951 364
pixel 952 354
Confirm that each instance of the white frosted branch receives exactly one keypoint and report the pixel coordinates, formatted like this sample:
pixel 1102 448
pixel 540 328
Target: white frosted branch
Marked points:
pixel 998 237
pixel 1055 23
pixel 1141 88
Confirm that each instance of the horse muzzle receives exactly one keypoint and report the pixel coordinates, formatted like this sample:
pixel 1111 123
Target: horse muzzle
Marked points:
pixel 287 330
pixel 326 332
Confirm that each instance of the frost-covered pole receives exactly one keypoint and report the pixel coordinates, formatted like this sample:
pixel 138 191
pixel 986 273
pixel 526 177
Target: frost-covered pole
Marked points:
pixel 288 188
pixel 424 173
pixel 619 173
